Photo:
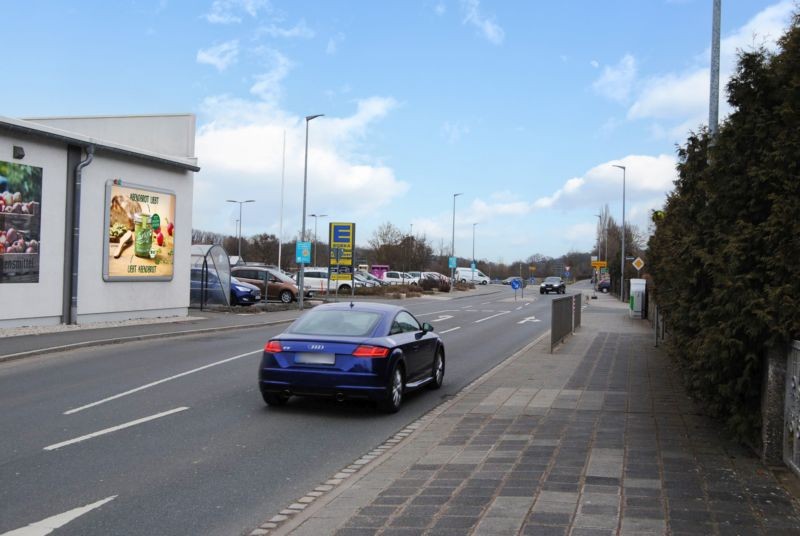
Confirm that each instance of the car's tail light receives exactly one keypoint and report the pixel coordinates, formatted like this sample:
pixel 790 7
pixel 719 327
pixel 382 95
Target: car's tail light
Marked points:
pixel 370 351
pixel 273 347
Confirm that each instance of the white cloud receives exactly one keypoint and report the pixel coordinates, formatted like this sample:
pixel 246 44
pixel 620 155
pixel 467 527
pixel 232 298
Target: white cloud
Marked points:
pixel 486 26
pixel 647 178
pixel 299 30
pixel 333 44
pixel 230 11
pixel 453 132
pixel 682 97
pixel 617 81
pixel 580 231
pixel 268 85
pixel 440 9
pixel 240 147
pixel 595 64
pixel 220 56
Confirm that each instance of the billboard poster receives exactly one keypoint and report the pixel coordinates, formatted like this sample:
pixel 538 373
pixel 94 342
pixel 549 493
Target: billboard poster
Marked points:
pixel 20 222
pixel 342 242
pixel 139 238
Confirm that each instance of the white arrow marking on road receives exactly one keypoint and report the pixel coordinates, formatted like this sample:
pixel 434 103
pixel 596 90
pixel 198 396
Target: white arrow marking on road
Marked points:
pixel 449 330
pixel 147 386
pixel 529 319
pixel 46 526
pixel 115 428
pixel 493 316
pixel 441 318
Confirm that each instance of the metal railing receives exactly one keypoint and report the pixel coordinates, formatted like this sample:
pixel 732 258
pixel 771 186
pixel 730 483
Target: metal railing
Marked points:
pixel 565 317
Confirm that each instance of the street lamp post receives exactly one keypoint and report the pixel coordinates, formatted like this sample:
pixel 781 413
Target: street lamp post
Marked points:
pixel 597 272
pixel 315 216
pixel 473 251
pixel 622 258
pixel 240 221
pixel 453 241
pixel 300 278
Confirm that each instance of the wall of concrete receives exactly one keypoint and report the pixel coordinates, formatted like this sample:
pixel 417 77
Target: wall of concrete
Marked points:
pixel 40 303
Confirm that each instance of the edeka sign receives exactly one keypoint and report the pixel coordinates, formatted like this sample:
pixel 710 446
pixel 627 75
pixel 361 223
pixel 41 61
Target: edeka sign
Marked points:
pixel 140 232
pixel 342 242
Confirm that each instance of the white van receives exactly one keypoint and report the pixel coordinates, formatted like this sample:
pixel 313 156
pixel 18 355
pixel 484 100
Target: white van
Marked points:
pixel 467 275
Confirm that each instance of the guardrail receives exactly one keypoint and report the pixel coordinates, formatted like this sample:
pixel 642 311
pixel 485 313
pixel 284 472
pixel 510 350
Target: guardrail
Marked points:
pixel 565 317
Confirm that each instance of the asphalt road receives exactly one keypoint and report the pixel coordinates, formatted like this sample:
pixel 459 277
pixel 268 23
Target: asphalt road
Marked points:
pixel 171 436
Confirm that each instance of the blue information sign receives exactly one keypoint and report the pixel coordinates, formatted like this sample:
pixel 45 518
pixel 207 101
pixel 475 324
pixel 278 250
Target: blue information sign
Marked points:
pixel 303 252
pixel 451 263
pixel 515 284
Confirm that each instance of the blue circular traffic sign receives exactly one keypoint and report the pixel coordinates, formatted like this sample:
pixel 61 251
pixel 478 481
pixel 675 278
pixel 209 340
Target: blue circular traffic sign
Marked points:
pixel 515 284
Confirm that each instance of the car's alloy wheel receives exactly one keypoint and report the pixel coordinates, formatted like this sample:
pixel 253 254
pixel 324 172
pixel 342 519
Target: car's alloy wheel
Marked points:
pixel 275 399
pixel 394 398
pixel 438 370
pixel 344 288
pixel 286 296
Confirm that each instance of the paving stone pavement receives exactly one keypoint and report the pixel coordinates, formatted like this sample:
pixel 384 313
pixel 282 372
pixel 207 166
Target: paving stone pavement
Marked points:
pixel 597 438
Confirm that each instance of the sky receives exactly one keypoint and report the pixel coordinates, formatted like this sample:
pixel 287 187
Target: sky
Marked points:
pixel 520 106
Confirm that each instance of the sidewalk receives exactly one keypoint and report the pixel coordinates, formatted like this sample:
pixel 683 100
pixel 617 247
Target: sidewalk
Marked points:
pixel 597 438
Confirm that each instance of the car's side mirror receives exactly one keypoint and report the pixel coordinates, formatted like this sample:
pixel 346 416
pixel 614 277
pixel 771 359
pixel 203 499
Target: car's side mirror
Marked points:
pixel 426 327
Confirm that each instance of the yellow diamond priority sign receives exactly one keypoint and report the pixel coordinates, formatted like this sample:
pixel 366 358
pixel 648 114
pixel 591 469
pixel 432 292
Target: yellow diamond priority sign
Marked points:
pixel 638 263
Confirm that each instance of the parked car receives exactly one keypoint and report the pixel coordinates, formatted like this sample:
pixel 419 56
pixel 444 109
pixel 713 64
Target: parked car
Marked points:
pixel 468 275
pixel 317 279
pixel 604 286
pixel 244 293
pixel 273 283
pixel 371 278
pixel 522 282
pixel 399 278
pixel 365 281
pixel 436 276
pixel 240 294
pixel 553 284
pixel 352 350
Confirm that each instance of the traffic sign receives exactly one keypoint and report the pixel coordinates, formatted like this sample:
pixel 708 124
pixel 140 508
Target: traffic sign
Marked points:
pixel 599 264
pixel 515 283
pixel 638 263
pixel 451 262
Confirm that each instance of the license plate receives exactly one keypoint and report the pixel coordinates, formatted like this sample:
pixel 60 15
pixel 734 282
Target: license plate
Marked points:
pixel 310 358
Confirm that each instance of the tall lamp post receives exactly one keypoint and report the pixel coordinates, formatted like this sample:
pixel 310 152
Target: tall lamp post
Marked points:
pixel 315 216
pixel 597 272
pixel 300 279
pixel 453 241
pixel 622 258
pixel 473 251
pixel 240 221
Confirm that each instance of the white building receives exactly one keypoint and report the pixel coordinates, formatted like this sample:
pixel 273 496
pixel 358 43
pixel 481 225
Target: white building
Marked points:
pixel 95 218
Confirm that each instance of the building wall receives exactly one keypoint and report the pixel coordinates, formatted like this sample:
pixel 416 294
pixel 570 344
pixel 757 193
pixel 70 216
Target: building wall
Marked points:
pixel 164 134
pixel 40 303
pixel 115 300
pixel 27 304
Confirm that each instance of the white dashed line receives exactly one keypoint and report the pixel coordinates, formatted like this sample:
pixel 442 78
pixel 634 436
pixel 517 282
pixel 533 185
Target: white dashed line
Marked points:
pixel 493 316
pixel 449 330
pixel 115 428
pixel 46 526
pixel 153 384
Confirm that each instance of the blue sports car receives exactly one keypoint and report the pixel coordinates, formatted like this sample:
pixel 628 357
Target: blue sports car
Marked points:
pixel 352 350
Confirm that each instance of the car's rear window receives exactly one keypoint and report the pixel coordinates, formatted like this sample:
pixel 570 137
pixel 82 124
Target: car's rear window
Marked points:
pixel 345 323
pixel 553 280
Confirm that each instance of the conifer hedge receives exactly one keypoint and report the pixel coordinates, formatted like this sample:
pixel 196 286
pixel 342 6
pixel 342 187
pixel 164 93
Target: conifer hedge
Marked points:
pixel 725 254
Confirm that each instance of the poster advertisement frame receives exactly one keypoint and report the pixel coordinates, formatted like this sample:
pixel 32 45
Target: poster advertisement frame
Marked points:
pixel 110 184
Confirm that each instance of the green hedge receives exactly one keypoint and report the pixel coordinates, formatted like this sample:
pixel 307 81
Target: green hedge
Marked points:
pixel 725 255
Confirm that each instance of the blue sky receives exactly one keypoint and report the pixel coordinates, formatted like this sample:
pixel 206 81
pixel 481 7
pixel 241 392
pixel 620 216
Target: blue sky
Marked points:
pixel 521 106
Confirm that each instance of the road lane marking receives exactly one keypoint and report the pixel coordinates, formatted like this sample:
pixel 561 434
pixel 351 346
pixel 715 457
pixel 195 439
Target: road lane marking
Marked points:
pixel 449 330
pixel 46 526
pixel 159 382
pixel 441 318
pixel 486 303
pixel 519 308
pixel 437 312
pixel 529 319
pixel 493 316
pixel 115 428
